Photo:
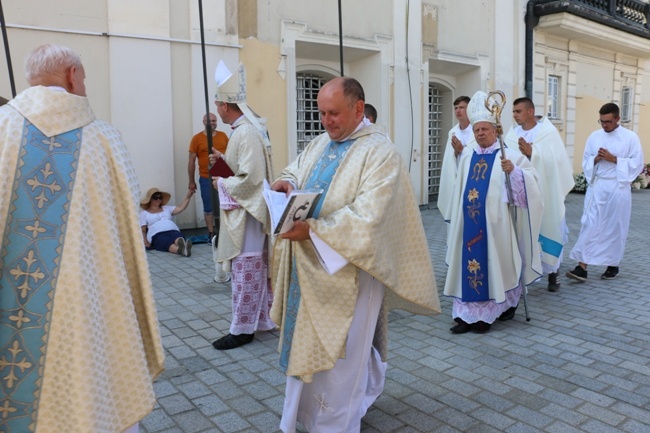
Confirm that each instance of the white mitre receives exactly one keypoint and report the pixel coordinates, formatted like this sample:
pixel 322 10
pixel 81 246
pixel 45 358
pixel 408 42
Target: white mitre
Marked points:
pixel 477 111
pixel 231 88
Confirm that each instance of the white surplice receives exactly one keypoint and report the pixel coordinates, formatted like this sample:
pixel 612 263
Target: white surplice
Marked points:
pixel 551 160
pixel 608 201
pixel 449 167
pixel 337 399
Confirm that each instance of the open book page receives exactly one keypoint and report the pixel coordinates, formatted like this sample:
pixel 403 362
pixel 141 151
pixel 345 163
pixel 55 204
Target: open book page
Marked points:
pixel 331 261
pixel 275 201
pixel 285 210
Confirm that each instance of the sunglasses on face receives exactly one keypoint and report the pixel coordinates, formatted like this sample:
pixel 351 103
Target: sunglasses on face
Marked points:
pixel 156 197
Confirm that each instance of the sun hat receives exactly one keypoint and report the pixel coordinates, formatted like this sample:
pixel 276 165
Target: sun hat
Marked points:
pixel 144 203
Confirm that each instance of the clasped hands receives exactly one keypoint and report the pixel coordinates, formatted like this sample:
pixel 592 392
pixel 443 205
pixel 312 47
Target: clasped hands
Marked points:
pixel 525 147
pixel 604 154
pixel 457 145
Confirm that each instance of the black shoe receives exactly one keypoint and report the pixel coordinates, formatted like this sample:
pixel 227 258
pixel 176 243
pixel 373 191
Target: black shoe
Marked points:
pixel 461 328
pixel 482 327
pixel 610 273
pixel 553 284
pixel 231 341
pixel 578 274
pixel 509 314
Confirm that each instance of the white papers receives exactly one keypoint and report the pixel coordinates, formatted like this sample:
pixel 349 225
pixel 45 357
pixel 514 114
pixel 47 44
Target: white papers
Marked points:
pixel 285 210
pixel 299 205
pixel 331 261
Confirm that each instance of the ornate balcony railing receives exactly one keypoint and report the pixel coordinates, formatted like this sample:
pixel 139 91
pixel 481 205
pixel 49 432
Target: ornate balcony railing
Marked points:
pixel 632 16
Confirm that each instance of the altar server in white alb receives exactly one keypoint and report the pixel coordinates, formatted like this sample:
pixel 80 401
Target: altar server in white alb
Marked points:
pixel 79 339
pixel 458 138
pixel 541 143
pixel 613 158
pixel 244 219
pixel 492 248
pixel 368 229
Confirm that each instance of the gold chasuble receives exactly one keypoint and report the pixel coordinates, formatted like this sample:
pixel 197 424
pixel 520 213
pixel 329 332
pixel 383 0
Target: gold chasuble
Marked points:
pixel 369 216
pixel 79 338
pixel 248 159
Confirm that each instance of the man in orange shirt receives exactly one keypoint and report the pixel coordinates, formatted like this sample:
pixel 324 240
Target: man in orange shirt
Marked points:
pixel 199 147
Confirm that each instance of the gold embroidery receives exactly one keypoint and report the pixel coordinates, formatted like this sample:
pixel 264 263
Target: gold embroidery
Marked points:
pixel 35 183
pixel 35 275
pixel 5 409
pixel 473 207
pixel 22 364
pixel 479 170
pixel 474 240
pixel 35 229
pixel 20 319
pixel 474 280
pixel 51 143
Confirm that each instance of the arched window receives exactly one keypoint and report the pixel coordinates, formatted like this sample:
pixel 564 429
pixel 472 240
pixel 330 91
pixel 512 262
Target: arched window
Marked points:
pixel 308 119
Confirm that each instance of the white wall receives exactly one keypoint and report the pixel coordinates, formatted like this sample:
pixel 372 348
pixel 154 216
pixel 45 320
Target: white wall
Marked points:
pixel 140 88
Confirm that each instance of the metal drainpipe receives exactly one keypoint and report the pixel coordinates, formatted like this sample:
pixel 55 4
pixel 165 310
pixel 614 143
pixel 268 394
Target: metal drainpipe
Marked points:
pixel 531 21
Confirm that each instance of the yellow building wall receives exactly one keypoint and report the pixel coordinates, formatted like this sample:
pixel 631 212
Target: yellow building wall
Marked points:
pixel 586 122
pixel 644 129
pixel 266 94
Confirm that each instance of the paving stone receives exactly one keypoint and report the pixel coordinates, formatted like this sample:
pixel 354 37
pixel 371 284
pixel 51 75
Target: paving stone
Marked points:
pixel 580 365
pixel 193 421
pixel 492 418
pixel 602 414
pixel 230 422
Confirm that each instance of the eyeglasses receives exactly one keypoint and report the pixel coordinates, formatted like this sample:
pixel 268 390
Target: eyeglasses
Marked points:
pixel 606 122
pixel 156 197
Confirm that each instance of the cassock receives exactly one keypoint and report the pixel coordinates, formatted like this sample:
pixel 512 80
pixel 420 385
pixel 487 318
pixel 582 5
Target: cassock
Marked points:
pixel 244 229
pixel 334 327
pixel 550 159
pixel 506 241
pixel 78 328
pixel 608 200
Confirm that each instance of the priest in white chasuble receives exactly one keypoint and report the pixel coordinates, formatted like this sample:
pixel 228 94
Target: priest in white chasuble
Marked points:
pixel 492 247
pixel 79 339
pixel 368 231
pixel 541 143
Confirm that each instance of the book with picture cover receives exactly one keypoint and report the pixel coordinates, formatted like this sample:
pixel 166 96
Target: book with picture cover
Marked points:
pixel 220 169
pixel 286 210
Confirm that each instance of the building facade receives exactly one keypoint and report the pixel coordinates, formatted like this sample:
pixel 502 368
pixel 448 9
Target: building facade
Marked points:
pixel 145 71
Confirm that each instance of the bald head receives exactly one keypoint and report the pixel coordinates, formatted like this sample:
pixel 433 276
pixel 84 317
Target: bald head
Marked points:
pixel 56 65
pixel 341 103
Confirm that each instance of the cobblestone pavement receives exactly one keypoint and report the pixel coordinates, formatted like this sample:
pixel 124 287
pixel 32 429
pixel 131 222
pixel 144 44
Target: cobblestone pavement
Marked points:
pixel 582 364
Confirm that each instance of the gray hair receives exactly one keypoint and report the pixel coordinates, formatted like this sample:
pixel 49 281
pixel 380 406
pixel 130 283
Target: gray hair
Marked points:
pixel 49 59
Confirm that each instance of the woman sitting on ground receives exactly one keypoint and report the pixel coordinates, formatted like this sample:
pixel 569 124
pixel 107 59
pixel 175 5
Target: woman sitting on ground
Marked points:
pixel 158 229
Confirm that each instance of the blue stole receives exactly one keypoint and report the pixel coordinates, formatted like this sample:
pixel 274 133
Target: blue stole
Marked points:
pixel 321 178
pixel 550 247
pixel 475 237
pixel 32 243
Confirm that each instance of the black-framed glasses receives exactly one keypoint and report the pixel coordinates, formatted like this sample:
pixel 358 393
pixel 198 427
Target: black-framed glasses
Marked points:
pixel 156 197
